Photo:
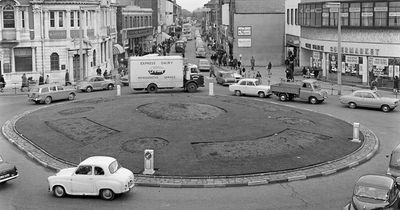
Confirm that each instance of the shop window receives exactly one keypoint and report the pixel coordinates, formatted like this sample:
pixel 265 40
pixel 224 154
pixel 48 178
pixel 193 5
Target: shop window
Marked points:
pixel 354 11
pixel 23 59
pixel 394 14
pixel 325 16
pixel 8 16
pixel 345 14
pixel 380 14
pixel 54 62
pixel 367 14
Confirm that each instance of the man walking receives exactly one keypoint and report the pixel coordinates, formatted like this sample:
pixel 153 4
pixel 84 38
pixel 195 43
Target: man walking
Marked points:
pixel 252 62
pixel 212 73
pixel 66 78
pixel 269 68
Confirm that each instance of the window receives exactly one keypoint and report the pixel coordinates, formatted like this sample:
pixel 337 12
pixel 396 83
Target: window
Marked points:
pixel 23 59
pixel 84 170
pixel 287 16
pixel 380 14
pixel 52 19
pixel 60 19
pixel 8 16
pixel 318 14
pixel 354 11
pixel 23 19
pixel 291 16
pixel 367 14
pixel 98 171
pixel 312 11
pixel 325 16
pixel 301 14
pixel 72 19
pixel 295 17
pixel 94 58
pixel 333 15
pixel 345 14
pixel 54 62
pixel 60 88
pixel 45 90
pixel 308 15
pixel 150 21
pixel 394 14
pixel 78 18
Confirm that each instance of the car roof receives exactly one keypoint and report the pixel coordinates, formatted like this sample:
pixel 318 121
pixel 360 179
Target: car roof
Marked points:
pixel 203 60
pixel 379 181
pixel 365 91
pixel 309 80
pixel 249 79
pixel 103 161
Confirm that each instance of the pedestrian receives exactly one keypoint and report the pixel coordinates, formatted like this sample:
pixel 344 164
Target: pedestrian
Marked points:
pixel 24 82
pixel 212 72
pixel 105 74
pixel 219 59
pixel 304 71
pixel 98 71
pixel 2 83
pixel 243 72
pixel 235 63
pixel 374 84
pixel 252 62
pixel 258 76
pixel 183 52
pixel 224 59
pixel 269 68
pixel 288 77
pixel 41 80
pixel 396 84
pixel 67 78
pixel 47 81
pixel 239 63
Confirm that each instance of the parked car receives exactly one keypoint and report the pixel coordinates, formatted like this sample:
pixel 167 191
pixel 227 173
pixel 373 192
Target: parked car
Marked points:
pixel 375 192
pixel 306 90
pixel 95 83
pixel 250 87
pixel 125 80
pixel 369 99
pixel 204 64
pixel 51 92
pixel 7 171
pixel 225 77
pixel 97 175
pixel 200 52
pixel 180 46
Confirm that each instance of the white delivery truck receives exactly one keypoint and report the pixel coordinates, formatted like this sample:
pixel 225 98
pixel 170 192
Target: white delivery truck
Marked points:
pixel 162 72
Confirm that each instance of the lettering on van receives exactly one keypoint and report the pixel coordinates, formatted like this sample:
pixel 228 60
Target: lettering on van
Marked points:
pixel 156 70
pixel 147 63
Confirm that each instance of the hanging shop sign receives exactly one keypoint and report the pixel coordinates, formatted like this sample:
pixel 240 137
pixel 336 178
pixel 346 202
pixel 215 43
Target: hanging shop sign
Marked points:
pixel 244 31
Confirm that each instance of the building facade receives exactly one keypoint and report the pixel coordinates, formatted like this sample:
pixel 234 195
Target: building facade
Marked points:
pixel 292 30
pixel 51 37
pixel 370 41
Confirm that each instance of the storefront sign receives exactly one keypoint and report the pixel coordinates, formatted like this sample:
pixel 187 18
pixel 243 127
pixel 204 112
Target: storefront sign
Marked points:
pixel 316 55
pixel 356 51
pixel 380 9
pixel 351 59
pixel 244 31
pixel 314 47
pixel 394 14
pixel 380 62
pixel 135 33
pixel 367 14
pixel 244 42
pixel 354 9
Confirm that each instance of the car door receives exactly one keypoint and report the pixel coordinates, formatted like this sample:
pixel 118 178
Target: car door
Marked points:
pixel 358 98
pixel 82 180
pixel 306 91
pixel 98 83
pixel 251 88
pixel 371 101
pixel 54 93
pixel 61 92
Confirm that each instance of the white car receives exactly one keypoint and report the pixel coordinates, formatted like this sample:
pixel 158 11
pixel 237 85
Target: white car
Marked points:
pixel 97 175
pixel 250 86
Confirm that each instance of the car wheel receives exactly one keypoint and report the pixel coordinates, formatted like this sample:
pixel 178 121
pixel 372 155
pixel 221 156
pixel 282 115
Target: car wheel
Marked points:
pixel 313 100
pixel 71 96
pixel 47 100
pixel 385 108
pixel 110 86
pixel 238 93
pixel 191 87
pixel 59 191
pixel 107 194
pixel 352 105
pixel 152 88
pixel 89 89
pixel 283 97
pixel 261 94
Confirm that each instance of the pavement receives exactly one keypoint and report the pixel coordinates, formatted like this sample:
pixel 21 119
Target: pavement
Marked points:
pixel 366 151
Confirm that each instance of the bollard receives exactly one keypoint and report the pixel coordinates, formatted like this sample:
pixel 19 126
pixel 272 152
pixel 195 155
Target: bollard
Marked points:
pixel 356 132
pixel 211 89
pixel 148 161
pixel 118 90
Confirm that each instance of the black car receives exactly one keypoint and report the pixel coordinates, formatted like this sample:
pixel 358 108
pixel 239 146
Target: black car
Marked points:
pixel 7 171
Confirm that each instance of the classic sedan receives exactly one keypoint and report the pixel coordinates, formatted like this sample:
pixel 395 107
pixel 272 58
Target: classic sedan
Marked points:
pixel 250 86
pixel 204 64
pixel 125 80
pixel 225 77
pixel 7 171
pixel 375 192
pixel 97 175
pixel 369 99
pixel 95 83
pixel 51 92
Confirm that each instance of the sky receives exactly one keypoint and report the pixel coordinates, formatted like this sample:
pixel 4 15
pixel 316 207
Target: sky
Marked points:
pixel 191 4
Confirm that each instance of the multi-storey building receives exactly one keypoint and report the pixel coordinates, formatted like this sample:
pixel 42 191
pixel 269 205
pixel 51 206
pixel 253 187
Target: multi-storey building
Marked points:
pixel 370 41
pixel 292 29
pixel 46 37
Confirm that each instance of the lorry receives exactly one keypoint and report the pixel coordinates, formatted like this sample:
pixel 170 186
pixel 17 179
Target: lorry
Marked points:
pixel 162 72
pixel 307 90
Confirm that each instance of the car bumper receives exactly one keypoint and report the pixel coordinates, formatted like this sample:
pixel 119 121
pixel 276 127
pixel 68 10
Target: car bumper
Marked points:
pixel 10 177
pixel 35 100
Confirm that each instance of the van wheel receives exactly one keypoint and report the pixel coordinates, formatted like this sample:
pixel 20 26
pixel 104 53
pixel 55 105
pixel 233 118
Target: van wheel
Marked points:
pixel 283 97
pixel 313 100
pixel 385 108
pixel 261 94
pixel 152 88
pixel 191 87
pixel 352 105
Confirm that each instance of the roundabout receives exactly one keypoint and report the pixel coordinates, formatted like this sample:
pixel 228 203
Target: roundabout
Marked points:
pixel 233 140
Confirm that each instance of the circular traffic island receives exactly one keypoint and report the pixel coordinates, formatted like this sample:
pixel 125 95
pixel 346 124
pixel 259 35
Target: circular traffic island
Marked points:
pixel 190 135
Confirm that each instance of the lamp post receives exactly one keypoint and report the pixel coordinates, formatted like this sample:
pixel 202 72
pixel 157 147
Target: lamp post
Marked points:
pixel 336 5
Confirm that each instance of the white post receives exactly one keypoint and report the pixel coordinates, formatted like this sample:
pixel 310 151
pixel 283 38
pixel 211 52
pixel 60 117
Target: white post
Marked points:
pixel 211 89
pixel 356 131
pixel 148 162
pixel 118 90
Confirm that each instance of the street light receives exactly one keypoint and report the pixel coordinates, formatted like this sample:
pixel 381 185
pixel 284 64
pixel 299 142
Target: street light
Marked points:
pixel 336 5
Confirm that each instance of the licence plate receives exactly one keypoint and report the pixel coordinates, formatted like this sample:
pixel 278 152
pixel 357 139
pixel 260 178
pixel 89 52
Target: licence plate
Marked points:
pixel 4 176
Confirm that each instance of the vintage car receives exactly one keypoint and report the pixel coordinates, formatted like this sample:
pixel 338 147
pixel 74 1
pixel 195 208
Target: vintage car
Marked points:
pixel 204 64
pixel 7 171
pixel 97 175
pixel 306 90
pixel 180 46
pixel 225 77
pixel 200 52
pixel 51 92
pixel 250 87
pixel 125 80
pixel 375 192
pixel 95 83
pixel 369 99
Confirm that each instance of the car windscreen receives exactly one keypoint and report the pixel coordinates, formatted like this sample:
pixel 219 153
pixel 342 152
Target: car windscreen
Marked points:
pixel 395 160
pixel 378 94
pixel 114 166
pixel 371 192
pixel 316 86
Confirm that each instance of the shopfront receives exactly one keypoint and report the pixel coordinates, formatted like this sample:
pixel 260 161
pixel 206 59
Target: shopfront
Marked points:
pixel 139 41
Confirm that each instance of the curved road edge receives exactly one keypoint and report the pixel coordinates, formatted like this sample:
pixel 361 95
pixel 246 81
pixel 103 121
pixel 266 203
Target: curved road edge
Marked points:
pixel 364 153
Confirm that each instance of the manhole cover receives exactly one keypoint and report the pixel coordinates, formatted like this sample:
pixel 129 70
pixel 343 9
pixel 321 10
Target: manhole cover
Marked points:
pixel 181 111
pixel 141 144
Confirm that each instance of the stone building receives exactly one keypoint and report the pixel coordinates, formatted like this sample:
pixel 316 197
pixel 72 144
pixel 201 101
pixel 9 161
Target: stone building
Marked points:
pixel 44 37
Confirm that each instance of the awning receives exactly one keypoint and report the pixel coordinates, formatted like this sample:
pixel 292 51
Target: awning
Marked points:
pixel 118 49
